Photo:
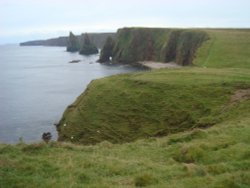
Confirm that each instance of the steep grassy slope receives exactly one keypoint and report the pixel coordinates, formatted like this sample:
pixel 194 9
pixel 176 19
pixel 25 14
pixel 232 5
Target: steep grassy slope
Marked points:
pixel 217 157
pixel 226 48
pixel 127 107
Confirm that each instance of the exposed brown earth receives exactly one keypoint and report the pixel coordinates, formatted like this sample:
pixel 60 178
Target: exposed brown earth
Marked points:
pixel 159 65
pixel 240 95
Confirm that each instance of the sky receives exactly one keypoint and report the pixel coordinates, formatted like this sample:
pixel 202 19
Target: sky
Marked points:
pixel 23 20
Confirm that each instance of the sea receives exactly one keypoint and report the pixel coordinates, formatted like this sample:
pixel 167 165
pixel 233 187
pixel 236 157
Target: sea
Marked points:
pixel 37 83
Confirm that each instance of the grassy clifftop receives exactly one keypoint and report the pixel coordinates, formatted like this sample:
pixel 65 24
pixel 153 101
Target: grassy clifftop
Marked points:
pixel 128 107
pixel 225 48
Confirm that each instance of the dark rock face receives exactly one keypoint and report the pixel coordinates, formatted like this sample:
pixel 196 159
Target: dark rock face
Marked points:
pixel 73 43
pixel 46 137
pixel 107 50
pixel 87 47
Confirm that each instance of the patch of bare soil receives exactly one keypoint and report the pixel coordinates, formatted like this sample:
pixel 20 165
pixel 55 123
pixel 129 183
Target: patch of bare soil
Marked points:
pixel 159 65
pixel 238 96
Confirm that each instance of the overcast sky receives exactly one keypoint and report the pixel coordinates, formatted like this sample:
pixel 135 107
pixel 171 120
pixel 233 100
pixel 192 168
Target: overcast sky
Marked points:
pixel 22 20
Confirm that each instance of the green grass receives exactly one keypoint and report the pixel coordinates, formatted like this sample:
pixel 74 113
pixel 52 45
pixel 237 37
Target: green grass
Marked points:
pixel 226 48
pixel 127 107
pixel 214 157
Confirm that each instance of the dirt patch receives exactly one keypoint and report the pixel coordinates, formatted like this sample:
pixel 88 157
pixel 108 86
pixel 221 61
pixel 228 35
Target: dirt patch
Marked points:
pixel 240 95
pixel 159 65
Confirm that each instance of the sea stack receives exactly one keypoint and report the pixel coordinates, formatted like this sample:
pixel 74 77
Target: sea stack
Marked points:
pixel 87 47
pixel 107 50
pixel 73 43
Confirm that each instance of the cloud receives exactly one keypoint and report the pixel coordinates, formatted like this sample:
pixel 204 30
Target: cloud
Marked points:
pixel 29 17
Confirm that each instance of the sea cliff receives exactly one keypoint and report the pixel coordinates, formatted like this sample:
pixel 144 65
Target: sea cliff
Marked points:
pixel 156 44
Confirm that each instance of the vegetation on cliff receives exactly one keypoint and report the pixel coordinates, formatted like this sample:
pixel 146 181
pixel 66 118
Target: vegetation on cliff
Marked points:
pixel 152 44
pixel 127 107
pixel 182 45
pixel 87 46
pixel 73 43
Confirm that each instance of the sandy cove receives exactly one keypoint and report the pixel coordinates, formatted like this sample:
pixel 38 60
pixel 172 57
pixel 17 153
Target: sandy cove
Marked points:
pixel 158 65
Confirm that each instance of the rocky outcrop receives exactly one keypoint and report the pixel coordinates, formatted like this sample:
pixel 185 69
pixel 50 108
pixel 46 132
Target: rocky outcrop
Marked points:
pixel 107 50
pixel 87 46
pixel 73 43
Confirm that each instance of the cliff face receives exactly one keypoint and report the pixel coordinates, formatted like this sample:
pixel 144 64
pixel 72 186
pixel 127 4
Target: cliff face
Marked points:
pixel 154 44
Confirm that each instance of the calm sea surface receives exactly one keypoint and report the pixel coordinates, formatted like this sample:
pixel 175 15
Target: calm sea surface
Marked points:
pixel 37 84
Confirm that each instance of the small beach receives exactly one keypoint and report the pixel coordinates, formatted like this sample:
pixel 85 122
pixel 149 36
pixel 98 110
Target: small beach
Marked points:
pixel 158 65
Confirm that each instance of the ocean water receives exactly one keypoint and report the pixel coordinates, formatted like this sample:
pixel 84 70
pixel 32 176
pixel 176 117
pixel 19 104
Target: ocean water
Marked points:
pixel 37 84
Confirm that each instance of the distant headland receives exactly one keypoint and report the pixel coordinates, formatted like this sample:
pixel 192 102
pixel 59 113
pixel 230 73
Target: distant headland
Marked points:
pixel 98 40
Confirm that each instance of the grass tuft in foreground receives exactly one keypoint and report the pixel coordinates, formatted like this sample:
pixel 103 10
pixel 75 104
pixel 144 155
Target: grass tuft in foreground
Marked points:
pixel 214 157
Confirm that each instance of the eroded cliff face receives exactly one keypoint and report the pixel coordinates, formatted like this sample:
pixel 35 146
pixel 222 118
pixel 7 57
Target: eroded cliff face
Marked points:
pixel 155 44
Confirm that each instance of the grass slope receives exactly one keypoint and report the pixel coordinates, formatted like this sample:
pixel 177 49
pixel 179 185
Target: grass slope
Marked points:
pixel 226 48
pixel 215 157
pixel 127 107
